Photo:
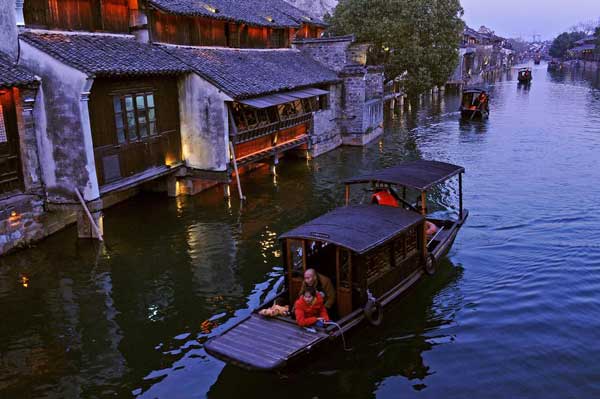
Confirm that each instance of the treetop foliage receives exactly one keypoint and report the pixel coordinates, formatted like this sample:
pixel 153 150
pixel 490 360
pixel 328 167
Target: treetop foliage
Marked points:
pixel 420 37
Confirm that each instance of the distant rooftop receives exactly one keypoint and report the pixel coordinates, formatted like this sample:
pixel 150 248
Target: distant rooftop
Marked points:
pixel 270 13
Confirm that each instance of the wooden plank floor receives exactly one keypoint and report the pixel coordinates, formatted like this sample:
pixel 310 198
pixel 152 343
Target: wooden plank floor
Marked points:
pixel 262 343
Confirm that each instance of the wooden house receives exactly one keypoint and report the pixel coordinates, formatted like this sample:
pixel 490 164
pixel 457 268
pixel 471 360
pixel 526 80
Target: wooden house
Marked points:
pixel 247 24
pixel 265 101
pixel 112 114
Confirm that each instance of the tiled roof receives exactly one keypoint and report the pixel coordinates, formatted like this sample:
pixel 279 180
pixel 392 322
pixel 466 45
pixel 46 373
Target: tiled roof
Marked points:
pixel 274 13
pixel 13 75
pixel 104 55
pixel 248 73
pixel 583 47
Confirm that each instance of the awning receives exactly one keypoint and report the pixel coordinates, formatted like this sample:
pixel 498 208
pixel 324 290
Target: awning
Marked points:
pixel 282 98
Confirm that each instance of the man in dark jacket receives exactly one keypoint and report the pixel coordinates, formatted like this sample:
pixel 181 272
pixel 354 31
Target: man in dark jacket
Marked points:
pixel 321 284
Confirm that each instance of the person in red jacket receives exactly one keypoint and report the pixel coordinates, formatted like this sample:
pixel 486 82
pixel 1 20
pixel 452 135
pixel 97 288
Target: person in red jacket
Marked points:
pixel 310 309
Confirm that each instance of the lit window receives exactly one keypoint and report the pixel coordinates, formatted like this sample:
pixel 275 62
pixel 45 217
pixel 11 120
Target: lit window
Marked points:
pixel 3 135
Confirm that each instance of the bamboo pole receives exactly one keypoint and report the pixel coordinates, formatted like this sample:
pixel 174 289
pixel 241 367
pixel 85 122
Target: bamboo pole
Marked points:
pixel 237 174
pixel 89 215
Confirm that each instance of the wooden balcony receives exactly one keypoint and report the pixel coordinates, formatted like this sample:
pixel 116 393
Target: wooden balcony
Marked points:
pixel 266 130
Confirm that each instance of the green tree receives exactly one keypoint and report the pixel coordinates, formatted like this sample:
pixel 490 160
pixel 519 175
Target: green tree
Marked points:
pixel 564 42
pixel 420 37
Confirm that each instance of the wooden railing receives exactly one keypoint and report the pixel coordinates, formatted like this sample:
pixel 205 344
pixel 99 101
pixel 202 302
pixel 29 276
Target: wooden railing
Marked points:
pixel 265 130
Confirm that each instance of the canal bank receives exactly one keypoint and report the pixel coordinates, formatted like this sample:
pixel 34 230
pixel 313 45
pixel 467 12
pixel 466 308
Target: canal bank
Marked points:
pixel 512 311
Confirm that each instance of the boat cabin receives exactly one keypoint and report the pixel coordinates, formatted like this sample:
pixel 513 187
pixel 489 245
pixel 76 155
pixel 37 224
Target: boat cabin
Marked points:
pixel 415 179
pixel 524 75
pixel 474 104
pixel 371 252
pixel 361 248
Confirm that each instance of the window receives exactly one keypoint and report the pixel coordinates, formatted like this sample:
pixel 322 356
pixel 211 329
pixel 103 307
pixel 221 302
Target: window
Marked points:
pixel 3 135
pixel 135 117
pixel 324 101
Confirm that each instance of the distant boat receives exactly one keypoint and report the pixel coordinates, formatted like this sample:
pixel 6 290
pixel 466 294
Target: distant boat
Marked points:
pixel 524 75
pixel 471 106
pixel 537 59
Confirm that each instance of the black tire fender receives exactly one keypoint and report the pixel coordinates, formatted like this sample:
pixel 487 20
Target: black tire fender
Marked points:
pixel 373 312
pixel 430 264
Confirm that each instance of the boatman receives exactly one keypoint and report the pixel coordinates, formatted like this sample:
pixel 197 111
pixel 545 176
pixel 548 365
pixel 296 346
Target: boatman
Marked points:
pixel 322 284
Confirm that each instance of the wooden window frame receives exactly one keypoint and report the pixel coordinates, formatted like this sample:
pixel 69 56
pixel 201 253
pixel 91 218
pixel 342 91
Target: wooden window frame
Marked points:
pixel 138 113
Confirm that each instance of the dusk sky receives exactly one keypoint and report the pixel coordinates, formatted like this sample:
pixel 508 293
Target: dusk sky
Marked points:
pixel 514 18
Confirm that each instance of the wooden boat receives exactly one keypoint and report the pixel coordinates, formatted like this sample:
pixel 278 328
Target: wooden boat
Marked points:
pixel 524 75
pixel 471 106
pixel 554 65
pixel 371 252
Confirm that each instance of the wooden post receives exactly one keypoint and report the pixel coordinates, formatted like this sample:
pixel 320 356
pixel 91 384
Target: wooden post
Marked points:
pixel 89 215
pixel 460 198
pixel 237 172
pixel 347 194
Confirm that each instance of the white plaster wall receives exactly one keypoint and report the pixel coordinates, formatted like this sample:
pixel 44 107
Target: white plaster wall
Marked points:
pixel 204 124
pixel 64 132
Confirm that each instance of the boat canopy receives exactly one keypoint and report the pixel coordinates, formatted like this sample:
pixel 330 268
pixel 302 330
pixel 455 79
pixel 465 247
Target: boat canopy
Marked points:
pixel 358 228
pixel 524 69
pixel 419 175
pixel 473 90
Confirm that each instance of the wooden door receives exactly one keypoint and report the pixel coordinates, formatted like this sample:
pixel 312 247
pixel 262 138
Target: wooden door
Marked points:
pixel 344 281
pixel 10 162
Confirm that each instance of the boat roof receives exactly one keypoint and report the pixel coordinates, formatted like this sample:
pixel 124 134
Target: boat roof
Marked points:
pixel 357 227
pixel 473 90
pixel 524 69
pixel 420 174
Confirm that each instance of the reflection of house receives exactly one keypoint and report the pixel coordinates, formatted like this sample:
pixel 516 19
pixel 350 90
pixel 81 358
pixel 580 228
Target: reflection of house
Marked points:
pixel 165 94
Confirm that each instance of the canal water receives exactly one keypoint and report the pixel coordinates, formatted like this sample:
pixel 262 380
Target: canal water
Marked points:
pixel 514 310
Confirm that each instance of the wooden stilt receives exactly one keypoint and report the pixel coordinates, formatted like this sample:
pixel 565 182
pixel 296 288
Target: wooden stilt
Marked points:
pixel 89 215
pixel 235 168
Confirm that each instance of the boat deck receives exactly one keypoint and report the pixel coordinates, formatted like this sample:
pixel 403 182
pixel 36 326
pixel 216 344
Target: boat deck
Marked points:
pixel 262 343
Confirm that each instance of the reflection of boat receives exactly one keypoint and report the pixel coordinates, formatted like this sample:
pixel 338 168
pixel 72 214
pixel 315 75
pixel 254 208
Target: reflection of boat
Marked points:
pixel 372 253
pixel 524 75
pixel 474 104
pixel 554 65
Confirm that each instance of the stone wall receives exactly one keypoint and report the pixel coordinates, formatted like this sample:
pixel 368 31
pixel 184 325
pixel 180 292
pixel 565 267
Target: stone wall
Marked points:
pixel 374 82
pixel 326 134
pixel 330 52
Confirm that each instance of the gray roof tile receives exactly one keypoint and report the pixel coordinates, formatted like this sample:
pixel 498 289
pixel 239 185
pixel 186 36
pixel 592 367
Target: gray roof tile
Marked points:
pixel 14 75
pixel 105 55
pixel 249 73
pixel 253 12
